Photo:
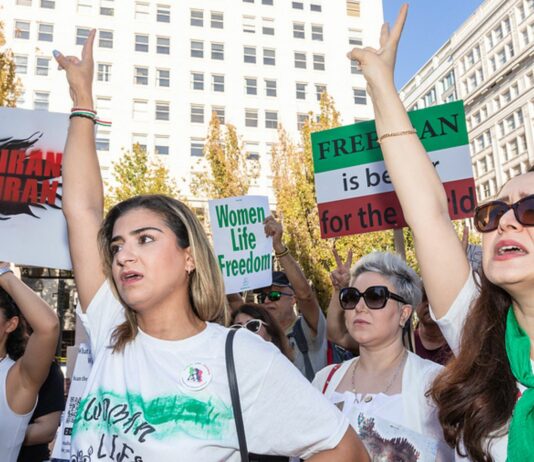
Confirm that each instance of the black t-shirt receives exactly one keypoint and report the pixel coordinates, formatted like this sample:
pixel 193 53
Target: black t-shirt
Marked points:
pixel 51 399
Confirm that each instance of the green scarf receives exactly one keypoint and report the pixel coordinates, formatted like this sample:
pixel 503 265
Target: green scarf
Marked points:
pixel 521 433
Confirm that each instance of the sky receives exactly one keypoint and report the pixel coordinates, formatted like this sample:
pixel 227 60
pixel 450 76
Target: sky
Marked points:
pixel 430 23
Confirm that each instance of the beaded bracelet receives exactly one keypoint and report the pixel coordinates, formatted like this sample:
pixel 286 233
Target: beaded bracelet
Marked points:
pixel 283 253
pixel 88 114
pixel 413 131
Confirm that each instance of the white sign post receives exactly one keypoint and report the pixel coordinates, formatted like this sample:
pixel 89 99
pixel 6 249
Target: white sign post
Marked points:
pixel 243 251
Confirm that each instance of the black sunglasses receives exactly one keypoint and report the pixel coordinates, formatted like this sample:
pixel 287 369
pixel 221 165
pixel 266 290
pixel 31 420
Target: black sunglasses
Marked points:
pixel 253 325
pixel 273 295
pixel 375 297
pixel 487 216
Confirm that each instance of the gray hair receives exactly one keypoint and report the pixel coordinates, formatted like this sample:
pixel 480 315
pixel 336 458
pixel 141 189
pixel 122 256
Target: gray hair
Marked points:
pixel 405 280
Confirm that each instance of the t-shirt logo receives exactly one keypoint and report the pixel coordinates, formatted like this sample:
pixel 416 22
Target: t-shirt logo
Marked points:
pixel 196 376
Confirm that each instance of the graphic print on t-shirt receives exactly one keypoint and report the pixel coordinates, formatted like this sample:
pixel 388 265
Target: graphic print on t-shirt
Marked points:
pixel 123 421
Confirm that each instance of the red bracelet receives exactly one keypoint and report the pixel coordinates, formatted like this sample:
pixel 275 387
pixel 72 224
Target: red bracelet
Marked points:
pixel 82 109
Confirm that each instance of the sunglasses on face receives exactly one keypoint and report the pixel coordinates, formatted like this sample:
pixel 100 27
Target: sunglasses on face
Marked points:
pixel 253 325
pixel 375 297
pixel 487 216
pixel 273 296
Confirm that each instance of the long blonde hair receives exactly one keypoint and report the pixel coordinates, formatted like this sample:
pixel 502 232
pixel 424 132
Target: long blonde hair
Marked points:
pixel 206 287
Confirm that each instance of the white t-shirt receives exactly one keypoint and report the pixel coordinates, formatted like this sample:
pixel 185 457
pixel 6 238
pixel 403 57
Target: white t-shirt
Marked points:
pixel 451 325
pixel 12 425
pixel 159 400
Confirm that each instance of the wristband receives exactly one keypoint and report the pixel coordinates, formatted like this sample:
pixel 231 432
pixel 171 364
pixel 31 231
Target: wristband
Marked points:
pixel 5 270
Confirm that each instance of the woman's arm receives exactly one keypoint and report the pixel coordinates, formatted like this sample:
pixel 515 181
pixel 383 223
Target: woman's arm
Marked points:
pixel 30 371
pixel 83 198
pixel 444 266
pixel 43 429
pixel 349 449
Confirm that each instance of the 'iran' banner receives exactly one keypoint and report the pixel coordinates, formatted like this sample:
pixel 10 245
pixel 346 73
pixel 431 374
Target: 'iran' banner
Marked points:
pixel 353 189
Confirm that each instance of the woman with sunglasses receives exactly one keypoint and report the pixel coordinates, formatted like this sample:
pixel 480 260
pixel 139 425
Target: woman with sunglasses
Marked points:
pixel 486 395
pixel 258 320
pixel 150 295
pixel 383 391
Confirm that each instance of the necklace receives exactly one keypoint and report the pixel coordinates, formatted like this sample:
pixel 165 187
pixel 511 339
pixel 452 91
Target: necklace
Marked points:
pixel 369 398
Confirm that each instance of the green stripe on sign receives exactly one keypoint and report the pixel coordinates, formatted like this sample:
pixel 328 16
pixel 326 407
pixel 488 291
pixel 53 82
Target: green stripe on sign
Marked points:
pixel 438 127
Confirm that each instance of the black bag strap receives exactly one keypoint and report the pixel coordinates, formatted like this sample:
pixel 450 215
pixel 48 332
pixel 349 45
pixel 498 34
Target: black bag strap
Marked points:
pixel 302 345
pixel 234 394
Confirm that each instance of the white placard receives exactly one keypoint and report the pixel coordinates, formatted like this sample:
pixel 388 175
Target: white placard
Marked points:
pixel 33 230
pixel 243 251
pixel 81 373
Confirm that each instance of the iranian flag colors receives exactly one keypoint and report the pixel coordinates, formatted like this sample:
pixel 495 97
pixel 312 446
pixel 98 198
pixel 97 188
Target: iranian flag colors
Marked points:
pixel 353 189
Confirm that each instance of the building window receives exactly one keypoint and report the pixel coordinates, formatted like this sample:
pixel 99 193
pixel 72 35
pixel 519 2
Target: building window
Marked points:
pixel 142 9
pixel 140 110
pixel 197 80
pixel 41 66
pixel 197 147
pixel 251 118
pixel 298 30
pixel 300 60
pixel 217 51
pixel 24 2
pixel 271 119
pixel 301 120
pixel 267 2
pixel 355 67
pixel 163 77
pixel 141 43
pixel 319 90
pixel 355 37
pixel 251 148
pixel 269 57
pixel 103 107
pixel 249 24
pixel 318 62
pixel 197 18
pixel 46 33
pixel 353 8
pixel 163 13
pixel 217 20
pixel 301 90
pixel 270 88
pixel 197 49
pixel 219 113
pixel 430 97
pixel 197 114
pixel 316 7
pixel 21 64
pixel 81 35
pixel 141 75
pixel 217 83
pixel 40 100
pixel 162 110
pixel 105 39
pixel 161 145
pixel 22 30
pixel 163 45
pixel 317 32
pixel 249 54
pixel 107 8
pixel 267 26
pixel 84 6
pixel 360 97
pixel 102 142
pixel 251 86
pixel 139 139
pixel 297 5
pixel 50 4
pixel 103 73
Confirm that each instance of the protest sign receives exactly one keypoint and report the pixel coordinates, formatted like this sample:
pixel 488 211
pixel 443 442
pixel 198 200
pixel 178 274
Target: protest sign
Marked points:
pixel 33 230
pixel 81 373
pixel 353 189
pixel 241 247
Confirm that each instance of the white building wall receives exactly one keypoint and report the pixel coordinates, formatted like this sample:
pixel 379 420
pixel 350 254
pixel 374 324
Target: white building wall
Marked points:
pixel 491 58
pixel 114 99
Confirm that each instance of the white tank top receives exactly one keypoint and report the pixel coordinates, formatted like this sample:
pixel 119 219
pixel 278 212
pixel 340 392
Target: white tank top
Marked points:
pixel 12 425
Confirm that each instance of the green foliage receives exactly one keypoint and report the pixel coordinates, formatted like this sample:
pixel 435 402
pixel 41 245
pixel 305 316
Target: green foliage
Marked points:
pixel 10 85
pixel 228 173
pixel 136 173
pixel 294 188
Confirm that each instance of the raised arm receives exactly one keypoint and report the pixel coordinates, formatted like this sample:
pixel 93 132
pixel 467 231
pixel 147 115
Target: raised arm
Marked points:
pixel 31 369
pixel 444 266
pixel 306 301
pixel 83 199
pixel 336 330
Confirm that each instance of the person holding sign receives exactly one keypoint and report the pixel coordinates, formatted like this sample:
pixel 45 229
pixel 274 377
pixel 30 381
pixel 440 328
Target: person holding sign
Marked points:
pixel 23 366
pixel 383 391
pixel 150 290
pixel 486 395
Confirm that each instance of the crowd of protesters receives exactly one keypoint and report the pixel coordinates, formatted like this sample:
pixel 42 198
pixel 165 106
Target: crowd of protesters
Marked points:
pixel 176 383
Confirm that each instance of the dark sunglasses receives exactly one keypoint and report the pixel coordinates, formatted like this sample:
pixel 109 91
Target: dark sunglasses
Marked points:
pixel 375 297
pixel 253 325
pixel 487 216
pixel 273 295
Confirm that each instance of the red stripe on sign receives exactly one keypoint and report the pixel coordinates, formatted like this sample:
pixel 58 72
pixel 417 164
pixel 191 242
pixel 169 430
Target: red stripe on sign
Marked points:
pixel 380 212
